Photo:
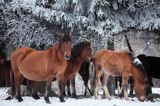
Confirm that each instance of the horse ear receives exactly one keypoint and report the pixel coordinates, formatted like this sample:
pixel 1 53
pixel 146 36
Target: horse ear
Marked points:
pixel 70 34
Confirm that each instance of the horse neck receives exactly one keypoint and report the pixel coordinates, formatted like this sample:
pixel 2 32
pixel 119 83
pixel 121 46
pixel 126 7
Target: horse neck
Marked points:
pixel 78 60
pixel 75 63
pixel 57 52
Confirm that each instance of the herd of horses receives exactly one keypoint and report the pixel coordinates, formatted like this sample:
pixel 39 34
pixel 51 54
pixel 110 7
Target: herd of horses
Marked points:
pixel 62 62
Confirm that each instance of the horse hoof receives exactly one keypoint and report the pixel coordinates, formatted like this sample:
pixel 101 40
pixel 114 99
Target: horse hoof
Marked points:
pixel 47 100
pixel 9 98
pixel 74 96
pixel 69 94
pixel 126 98
pixel 109 98
pixel 96 97
pixel 36 96
pixel 20 99
pixel 62 99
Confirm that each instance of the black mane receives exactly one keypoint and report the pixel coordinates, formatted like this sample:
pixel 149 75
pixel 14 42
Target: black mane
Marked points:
pixel 65 38
pixel 77 49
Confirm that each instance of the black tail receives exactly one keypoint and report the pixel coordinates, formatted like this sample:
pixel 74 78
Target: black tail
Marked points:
pixel 128 44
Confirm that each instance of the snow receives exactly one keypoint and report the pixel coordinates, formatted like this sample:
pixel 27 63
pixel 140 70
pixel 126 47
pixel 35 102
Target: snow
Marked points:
pixel 29 101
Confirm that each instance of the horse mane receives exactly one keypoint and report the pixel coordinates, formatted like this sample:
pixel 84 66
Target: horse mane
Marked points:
pixel 140 66
pixel 76 50
pixel 65 38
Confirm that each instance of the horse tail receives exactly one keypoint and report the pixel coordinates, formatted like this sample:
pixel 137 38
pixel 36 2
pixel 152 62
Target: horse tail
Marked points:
pixel 129 46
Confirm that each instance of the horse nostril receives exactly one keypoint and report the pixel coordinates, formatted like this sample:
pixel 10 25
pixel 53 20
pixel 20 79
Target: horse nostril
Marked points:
pixel 67 57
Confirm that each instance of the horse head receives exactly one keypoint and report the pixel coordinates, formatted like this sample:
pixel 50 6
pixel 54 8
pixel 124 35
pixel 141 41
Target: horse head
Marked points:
pixel 65 43
pixel 86 50
pixel 141 83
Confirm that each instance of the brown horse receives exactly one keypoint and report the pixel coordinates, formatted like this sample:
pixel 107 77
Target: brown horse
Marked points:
pixel 84 73
pixel 80 53
pixel 41 65
pixel 119 64
pixel 2 59
pixel 5 68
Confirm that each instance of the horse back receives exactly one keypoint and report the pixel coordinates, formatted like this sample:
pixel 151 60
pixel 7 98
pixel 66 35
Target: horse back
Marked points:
pixel 151 65
pixel 115 63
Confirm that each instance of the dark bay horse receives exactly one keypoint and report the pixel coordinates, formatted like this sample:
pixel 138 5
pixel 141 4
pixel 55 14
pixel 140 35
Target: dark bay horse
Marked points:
pixel 5 68
pixel 119 64
pixel 80 53
pixel 84 73
pixel 152 68
pixel 41 65
pixel 2 59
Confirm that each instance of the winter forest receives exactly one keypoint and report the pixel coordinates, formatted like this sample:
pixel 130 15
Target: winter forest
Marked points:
pixel 38 24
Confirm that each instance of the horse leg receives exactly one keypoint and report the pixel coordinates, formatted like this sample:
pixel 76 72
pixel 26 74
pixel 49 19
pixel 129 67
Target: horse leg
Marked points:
pixel 119 88
pixel 62 80
pixel 131 81
pixel 150 85
pixel 125 85
pixel 48 87
pixel 34 86
pixel 86 87
pixel 68 88
pixel 96 80
pixel 12 84
pixel 5 74
pixel 61 88
pixel 74 88
pixel 18 80
pixel 29 85
pixel 105 80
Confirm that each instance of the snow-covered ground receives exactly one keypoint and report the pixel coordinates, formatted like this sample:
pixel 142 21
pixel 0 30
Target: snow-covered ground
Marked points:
pixel 29 101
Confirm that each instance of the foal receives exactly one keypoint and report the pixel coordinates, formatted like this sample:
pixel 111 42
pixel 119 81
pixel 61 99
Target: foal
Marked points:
pixel 118 64
pixel 41 65
pixel 80 52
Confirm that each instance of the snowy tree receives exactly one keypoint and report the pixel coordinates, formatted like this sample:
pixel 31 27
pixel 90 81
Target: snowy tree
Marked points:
pixel 33 22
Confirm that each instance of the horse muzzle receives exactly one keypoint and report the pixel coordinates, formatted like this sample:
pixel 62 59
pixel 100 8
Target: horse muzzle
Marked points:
pixel 67 57
pixel 142 98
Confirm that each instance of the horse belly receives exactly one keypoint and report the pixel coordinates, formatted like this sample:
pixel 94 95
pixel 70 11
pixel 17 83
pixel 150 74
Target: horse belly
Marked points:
pixel 113 70
pixel 34 77
pixel 33 71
